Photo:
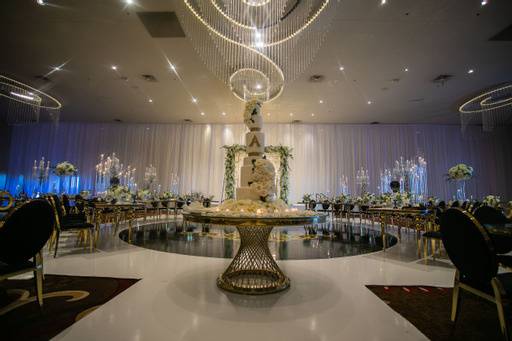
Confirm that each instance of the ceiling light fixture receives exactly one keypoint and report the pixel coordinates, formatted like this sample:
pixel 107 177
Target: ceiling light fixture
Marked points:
pixel 470 71
pixel 30 98
pixel 406 70
pixel 312 115
pixel 484 2
pixel 291 114
pixel 342 68
pixel 369 102
pixel 383 2
pixel 150 100
pixel 129 2
pixel 41 2
pixel 268 114
pixel 114 67
pixel 223 113
pixel 202 114
pixel 321 101
pixel 194 100
pixel 57 68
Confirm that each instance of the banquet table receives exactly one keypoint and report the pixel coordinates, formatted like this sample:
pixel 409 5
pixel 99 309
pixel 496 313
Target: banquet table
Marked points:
pixel 253 270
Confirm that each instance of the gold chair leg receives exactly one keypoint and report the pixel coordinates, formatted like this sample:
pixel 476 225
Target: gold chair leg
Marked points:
pixel 90 233
pixel 455 298
pixel 499 305
pixel 38 277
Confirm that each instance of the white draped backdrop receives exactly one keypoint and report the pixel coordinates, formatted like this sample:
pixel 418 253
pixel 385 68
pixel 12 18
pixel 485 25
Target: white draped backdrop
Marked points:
pixel 322 153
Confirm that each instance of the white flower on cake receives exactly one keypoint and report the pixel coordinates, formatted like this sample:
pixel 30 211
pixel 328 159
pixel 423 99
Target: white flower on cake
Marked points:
pixel 262 179
pixel 252 109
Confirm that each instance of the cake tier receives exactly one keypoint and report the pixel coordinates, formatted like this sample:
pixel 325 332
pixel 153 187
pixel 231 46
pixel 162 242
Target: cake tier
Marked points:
pixel 257 124
pixel 246 193
pixel 245 175
pixel 254 142
pixel 248 160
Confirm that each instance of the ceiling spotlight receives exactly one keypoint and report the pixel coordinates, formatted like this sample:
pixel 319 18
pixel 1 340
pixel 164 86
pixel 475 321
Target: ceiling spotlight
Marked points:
pixel 202 114
pixel 57 68
pixel 321 101
pixel 129 2
pixel 291 114
pixel 470 71
pixel 383 2
pixel 406 70
pixel 258 86
pixel 40 2
pixel 369 102
pixel 484 2
pixel 194 100
pixel 223 113
pixel 342 68
pixel 312 115
pixel 114 67
pixel 150 100
pixel 173 68
pixel 268 114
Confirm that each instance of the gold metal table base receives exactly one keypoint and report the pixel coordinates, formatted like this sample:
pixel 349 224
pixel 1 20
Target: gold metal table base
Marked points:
pixel 253 271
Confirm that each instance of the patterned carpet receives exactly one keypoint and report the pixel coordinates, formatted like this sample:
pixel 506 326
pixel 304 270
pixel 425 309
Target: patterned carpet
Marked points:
pixel 428 309
pixel 66 300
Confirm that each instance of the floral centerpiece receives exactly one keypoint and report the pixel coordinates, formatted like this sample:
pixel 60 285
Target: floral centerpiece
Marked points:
pixel 460 172
pixel 306 198
pixel 65 168
pixel 118 194
pixel 491 200
pixel 144 194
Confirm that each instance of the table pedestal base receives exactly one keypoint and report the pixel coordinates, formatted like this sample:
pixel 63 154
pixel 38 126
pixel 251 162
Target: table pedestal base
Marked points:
pixel 253 271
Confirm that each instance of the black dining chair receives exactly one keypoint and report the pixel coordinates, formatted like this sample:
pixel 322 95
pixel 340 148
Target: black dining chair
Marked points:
pixel 69 223
pixel 490 215
pixel 24 233
pixel 470 249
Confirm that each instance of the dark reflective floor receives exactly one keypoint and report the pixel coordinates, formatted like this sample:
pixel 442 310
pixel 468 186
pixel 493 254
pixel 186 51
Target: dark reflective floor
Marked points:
pixel 285 242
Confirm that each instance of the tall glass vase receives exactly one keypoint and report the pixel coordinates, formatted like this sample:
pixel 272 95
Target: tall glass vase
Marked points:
pixel 461 190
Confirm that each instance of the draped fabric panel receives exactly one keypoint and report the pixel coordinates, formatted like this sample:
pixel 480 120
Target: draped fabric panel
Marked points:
pixel 322 153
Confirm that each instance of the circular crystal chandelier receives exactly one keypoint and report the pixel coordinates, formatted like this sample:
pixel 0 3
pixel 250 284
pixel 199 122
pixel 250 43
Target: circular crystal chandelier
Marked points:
pixel 494 106
pixel 20 103
pixel 256 46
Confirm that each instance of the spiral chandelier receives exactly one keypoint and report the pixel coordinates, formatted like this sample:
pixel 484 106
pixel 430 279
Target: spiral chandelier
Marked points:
pixel 21 104
pixel 256 46
pixel 493 106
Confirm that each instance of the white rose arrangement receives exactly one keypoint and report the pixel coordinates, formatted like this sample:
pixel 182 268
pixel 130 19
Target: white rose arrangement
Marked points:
pixel 252 107
pixel 65 168
pixel 492 200
pixel 120 193
pixel 263 179
pixel 460 172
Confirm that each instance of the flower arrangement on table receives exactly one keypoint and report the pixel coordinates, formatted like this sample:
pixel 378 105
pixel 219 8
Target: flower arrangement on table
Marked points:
pixel 65 168
pixel 167 196
pixel 118 193
pixel 249 208
pixel 491 200
pixel 460 172
pixel 306 198
pixel 144 195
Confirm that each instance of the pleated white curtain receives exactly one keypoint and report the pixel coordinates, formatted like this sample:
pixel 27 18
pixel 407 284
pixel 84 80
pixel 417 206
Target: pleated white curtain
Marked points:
pixel 322 153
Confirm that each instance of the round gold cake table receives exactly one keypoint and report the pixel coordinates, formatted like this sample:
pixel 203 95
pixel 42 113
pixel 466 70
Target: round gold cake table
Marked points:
pixel 253 270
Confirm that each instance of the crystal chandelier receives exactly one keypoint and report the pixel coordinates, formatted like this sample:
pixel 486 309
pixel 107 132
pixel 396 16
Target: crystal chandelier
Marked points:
pixel 256 46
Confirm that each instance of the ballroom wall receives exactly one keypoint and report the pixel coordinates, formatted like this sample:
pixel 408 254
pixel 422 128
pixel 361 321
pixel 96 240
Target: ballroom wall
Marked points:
pixel 322 153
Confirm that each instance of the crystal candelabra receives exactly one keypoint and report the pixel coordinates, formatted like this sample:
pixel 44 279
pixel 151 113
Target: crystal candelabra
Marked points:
pixel 175 180
pixel 149 176
pixel 412 176
pixel 40 171
pixel 385 179
pixel 344 185
pixel 111 172
pixel 363 180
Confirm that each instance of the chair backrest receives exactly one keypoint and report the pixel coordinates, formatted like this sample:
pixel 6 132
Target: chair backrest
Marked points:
pixel 25 231
pixel 58 206
pixel 489 215
pixel 468 245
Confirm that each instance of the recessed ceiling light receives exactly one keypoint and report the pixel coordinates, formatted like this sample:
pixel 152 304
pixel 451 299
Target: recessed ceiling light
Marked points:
pixel 484 2
pixel 258 86
pixel 129 2
pixel 223 113
pixel 369 102
pixel 406 70
pixel 291 114
pixel 114 67
pixel 321 101
pixel 150 100
pixel 57 68
pixel 342 68
pixel 470 71
pixel 383 2
pixel 194 100
pixel 313 115
pixel 268 114
pixel 173 68
pixel 40 2
pixel 202 114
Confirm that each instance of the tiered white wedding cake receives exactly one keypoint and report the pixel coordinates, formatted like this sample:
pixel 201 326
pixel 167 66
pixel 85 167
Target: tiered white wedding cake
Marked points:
pixel 257 175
